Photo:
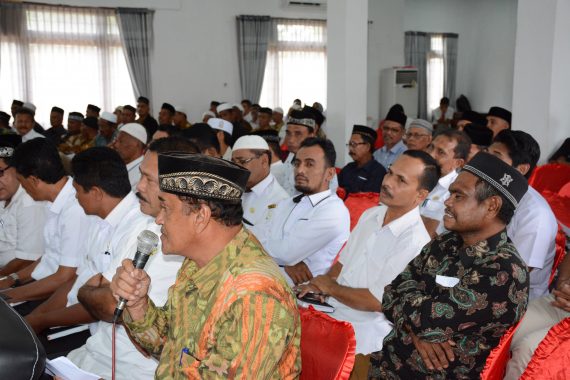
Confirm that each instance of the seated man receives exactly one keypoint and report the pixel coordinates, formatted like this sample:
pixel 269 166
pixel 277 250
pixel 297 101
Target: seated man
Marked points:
pixel 498 119
pixel 228 314
pixel 383 242
pixel 21 217
pixel 533 227
pixel 542 314
pixel 41 174
pixel 205 139
pixel 365 174
pixel 224 130
pixel 131 144
pixel 393 129
pixel 278 168
pixel 73 136
pixel 95 295
pixel 305 233
pixel 481 138
pixel 441 116
pixel 145 118
pixel 24 123
pixel 419 135
pixel 56 130
pixel 454 301
pixel 107 129
pixel 450 149
pixel 262 189
pixel 103 190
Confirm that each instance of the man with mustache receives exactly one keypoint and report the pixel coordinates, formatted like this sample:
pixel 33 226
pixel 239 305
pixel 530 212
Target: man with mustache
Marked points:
pixel 385 239
pixel 304 233
pixel 365 173
pixel 454 301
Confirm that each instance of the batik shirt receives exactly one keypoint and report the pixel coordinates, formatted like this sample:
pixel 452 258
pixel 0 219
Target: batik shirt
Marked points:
pixel 470 295
pixel 233 318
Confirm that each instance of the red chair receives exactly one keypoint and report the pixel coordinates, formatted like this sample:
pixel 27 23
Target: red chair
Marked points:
pixel 357 203
pixel 551 359
pixel 496 364
pixel 327 346
pixel 560 205
pixel 565 190
pixel 560 252
pixel 550 177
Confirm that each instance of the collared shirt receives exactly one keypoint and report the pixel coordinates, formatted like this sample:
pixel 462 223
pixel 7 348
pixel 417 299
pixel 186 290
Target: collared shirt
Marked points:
pixel 64 233
pixel 387 156
pixel 262 196
pixel 436 114
pixel 367 178
pixel 373 256
pixel 32 134
pixel 234 317
pixel 289 177
pixel 279 171
pixel 470 295
pixel 107 238
pixel 433 207
pixel 312 231
pixel 134 172
pixel 20 223
pixel 102 141
pixel 95 355
pixel 533 231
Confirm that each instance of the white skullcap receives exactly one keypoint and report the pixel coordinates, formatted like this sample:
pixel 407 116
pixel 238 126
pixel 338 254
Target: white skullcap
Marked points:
pixel 208 113
pixel 224 107
pixel 29 106
pixel 420 123
pixel 278 110
pixel 239 107
pixel 110 117
pixel 136 130
pixel 181 110
pixel 250 142
pixel 221 125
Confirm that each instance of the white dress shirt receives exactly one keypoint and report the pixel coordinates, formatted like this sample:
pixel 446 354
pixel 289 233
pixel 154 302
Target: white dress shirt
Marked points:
pixel 32 134
pixel 433 206
pixel 289 177
pixel 533 231
pixel 134 172
pixel 372 258
pixel 228 155
pixel 20 223
pixel 95 355
pixel 107 237
pixel 312 230
pixel 64 233
pixel 387 156
pixel 279 171
pixel 436 114
pixel 256 202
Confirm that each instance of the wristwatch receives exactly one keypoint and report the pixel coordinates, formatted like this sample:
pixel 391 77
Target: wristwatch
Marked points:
pixel 16 278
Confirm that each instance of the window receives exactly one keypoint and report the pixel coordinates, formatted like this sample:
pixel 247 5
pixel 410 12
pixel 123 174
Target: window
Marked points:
pixel 296 63
pixel 435 72
pixel 64 56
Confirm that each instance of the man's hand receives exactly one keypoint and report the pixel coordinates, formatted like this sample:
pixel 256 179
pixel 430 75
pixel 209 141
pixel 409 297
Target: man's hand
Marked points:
pixel 6 284
pixel 326 283
pixel 435 355
pixel 562 295
pixel 299 273
pixel 131 284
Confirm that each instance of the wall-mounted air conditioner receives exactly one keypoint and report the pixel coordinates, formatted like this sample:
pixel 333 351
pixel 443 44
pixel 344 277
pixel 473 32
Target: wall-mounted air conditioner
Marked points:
pixel 305 3
pixel 399 85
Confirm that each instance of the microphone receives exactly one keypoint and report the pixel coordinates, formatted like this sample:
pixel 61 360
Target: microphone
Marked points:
pixel 147 241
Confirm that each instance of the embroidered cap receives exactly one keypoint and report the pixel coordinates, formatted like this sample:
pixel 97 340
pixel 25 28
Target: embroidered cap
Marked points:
pixel 8 144
pixel 302 118
pixel 503 177
pixel 201 176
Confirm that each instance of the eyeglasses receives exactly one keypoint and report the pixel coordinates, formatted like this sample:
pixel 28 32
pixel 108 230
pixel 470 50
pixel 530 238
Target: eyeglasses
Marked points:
pixel 242 162
pixel 3 170
pixel 415 135
pixel 354 144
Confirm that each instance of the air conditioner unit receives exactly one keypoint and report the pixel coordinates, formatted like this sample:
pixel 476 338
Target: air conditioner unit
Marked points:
pixel 305 3
pixel 399 85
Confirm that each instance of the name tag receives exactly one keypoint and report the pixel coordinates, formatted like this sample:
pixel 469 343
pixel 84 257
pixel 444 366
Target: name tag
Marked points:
pixel 448 282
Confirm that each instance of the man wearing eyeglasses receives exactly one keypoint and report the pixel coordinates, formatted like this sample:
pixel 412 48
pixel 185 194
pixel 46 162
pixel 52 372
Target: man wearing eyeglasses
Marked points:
pixel 392 133
pixel 365 173
pixel 418 135
pixel 262 190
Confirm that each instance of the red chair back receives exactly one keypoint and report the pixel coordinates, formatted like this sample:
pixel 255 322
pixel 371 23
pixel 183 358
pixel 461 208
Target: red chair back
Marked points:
pixel 496 364
pixel 551 359
pixel 565 191
pixel 550 177
pixel 357 203
pixel 560 206
pixel 560 252
pixel 327 346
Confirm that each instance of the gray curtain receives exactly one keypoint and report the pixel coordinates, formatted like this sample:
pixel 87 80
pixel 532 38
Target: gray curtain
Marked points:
pixel 253 36
pixel 450 65
pixel 136 30
pixel 13 29
pixel 415 54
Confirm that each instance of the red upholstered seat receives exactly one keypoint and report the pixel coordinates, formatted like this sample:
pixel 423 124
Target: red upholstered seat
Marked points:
pixel 496 363
pixel 560 252
pixel 560 205
pixel 550 177
pixel 551 360
pixel 327 346
pixel 357 203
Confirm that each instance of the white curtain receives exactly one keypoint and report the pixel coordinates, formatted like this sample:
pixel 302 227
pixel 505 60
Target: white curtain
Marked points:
pixel 64 56
pixel 296 63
